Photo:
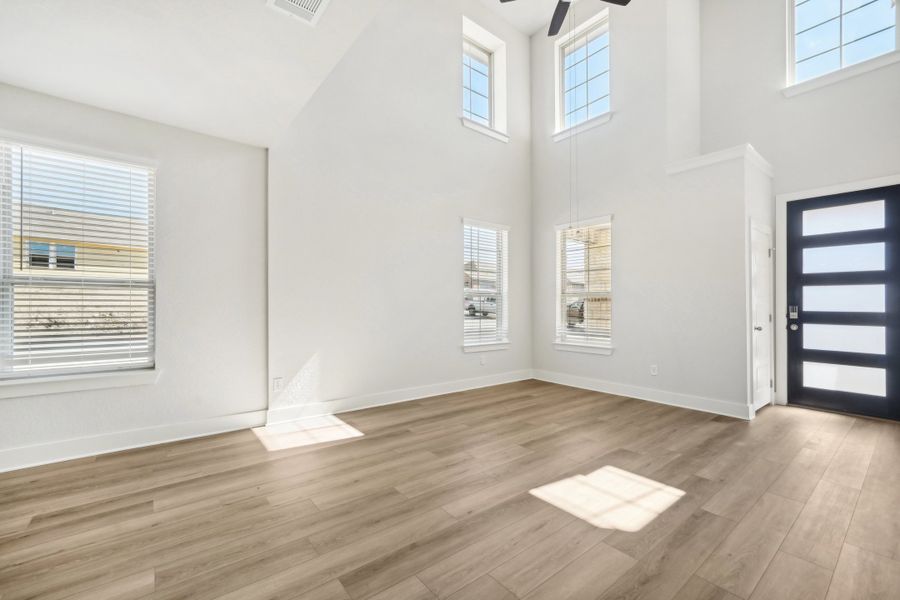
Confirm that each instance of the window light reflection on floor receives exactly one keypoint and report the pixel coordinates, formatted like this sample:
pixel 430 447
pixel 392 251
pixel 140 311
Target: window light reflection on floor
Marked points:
pixel 305 432
pixel 611 498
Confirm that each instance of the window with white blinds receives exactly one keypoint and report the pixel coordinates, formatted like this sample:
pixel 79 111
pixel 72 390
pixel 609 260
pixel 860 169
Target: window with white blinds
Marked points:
pixel 485 312
pixel 76 278
pixel 584 275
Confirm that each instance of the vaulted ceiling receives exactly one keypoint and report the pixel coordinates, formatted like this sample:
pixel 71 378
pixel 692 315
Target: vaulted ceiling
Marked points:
pixel 528 16
pixel 230 68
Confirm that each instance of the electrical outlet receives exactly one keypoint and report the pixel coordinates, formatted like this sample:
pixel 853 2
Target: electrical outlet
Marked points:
pixel 654 370
pixel 277 384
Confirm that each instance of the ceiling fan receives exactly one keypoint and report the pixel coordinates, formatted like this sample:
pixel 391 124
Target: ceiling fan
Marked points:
pixel 562 8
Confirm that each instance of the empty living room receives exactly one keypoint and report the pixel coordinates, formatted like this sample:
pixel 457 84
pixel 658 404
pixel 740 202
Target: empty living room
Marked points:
pixel 449 300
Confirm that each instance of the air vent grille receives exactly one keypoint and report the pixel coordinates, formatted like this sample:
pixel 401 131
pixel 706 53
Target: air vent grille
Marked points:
pixel 308 11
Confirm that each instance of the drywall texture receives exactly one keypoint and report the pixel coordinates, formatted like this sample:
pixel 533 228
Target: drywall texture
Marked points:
pixel 210 265
pixel 367 191
pixel 845 132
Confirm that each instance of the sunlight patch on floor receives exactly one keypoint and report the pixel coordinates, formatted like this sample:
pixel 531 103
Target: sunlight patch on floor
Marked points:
pixel 305 432
pixel 610 498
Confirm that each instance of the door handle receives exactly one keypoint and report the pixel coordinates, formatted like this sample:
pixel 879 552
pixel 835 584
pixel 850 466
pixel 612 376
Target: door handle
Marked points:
pixel 757 328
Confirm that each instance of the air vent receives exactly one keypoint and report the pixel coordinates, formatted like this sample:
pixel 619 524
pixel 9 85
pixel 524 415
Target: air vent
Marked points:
pixel 308 11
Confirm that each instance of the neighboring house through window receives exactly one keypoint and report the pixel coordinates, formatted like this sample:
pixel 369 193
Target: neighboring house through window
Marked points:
pixel 485 282
pixel 584 285
pixel 77 289
pixel 828 35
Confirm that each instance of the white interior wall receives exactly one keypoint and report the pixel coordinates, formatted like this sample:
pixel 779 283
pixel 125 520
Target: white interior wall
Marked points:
pixel 211 289
pixel 845 132
pixel 369 184
pixel 679 260
pixel 367 191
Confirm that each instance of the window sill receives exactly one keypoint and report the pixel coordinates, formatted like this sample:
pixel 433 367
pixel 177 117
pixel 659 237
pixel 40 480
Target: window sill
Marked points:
pixel 486 347
pixel 567 347
pixel 483 129
pixel 582 127
pixel 39 386
pixel 846 73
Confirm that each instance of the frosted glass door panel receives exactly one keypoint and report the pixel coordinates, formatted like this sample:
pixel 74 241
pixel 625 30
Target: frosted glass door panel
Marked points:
pixel 844 259
pixel 844 298
pixel 849 217
pixel 844 378
pixel 844 338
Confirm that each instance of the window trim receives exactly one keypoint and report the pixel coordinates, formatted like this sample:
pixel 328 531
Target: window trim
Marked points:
pixel 501 343
pixel 793 87
pixel 602 348
pixel 40 383
pixel 598 21
pixel 480 37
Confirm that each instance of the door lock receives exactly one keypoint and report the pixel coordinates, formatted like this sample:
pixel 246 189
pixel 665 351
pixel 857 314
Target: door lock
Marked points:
pixel 794 327
pixel 793 312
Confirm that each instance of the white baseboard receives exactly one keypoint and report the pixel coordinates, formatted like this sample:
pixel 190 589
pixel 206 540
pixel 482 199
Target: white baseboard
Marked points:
pixel 711 405
pixel 41 454
pixel 340 405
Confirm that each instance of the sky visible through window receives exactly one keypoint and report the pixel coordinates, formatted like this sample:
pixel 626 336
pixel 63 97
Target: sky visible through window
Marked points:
pixel 586 78
pixel 832 34
pixel 476 84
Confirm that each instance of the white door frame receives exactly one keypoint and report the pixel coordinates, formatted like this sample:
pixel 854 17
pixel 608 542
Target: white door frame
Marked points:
pixel 780 324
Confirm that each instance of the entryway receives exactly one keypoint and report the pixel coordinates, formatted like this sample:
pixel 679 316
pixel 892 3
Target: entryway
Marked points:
pixel 843 299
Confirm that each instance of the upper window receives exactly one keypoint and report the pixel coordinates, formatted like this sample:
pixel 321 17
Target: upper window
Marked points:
pixel 583 73
pixel 485 318
pixel 829 35
pixel 584 276
pixel 476 83
pixel 76 263
pixel 483 80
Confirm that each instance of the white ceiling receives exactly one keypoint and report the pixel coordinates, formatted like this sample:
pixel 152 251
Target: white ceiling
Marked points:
pixel 528 16
pixel 231 68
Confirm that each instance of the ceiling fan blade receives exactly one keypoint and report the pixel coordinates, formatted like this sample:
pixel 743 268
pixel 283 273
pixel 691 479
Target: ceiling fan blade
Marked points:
pixel 559 16
pixel 617 2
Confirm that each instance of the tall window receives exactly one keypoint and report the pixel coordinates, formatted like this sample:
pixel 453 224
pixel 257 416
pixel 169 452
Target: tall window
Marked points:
pixel 477 76
pixel 583 73
pixel 584 272
pixel 832 34
pixel 76 263
pixel 485 318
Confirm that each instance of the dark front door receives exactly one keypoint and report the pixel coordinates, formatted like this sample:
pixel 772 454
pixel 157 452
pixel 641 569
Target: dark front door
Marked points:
pixel 843 288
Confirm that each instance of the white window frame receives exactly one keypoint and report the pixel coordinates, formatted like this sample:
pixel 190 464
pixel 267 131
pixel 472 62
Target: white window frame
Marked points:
pixel 602 347
pixel 501 340
pixel 43 382
pixel 793 87
pixel 600 21
pixel 496 48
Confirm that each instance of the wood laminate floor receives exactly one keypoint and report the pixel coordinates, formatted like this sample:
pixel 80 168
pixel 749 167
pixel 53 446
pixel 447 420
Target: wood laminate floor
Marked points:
pixel 433 502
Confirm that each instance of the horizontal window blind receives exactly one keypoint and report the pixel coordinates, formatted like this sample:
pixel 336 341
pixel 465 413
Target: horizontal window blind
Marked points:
pixel 77 289
pixel 585 285
pixel 485 319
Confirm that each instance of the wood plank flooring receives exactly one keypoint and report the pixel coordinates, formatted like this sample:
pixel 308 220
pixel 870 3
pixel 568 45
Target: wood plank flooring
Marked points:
pixel 433 502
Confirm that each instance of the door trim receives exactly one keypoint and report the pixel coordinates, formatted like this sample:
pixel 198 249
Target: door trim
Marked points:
pixel 767 229
pixel 781 202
